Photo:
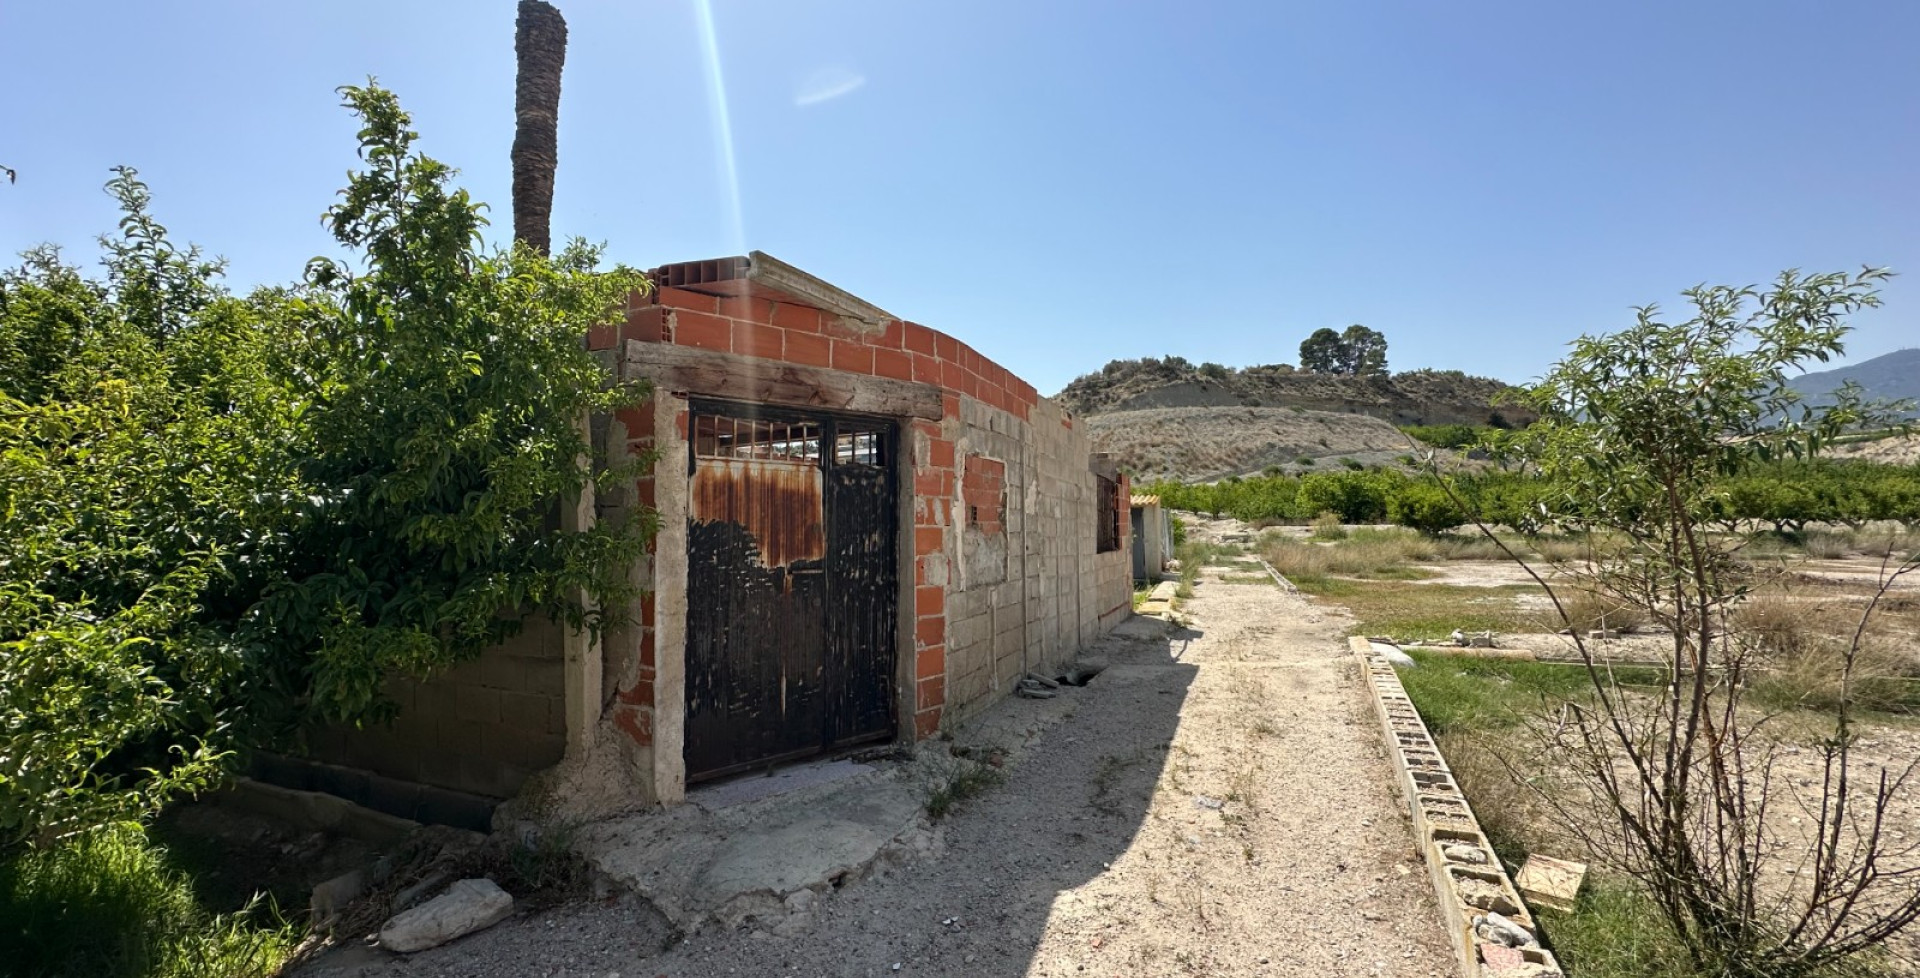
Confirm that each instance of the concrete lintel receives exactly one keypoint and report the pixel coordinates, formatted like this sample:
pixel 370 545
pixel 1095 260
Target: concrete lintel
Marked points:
pixel 773 273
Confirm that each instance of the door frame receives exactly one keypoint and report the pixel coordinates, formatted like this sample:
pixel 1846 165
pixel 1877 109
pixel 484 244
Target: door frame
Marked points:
pixel 898 467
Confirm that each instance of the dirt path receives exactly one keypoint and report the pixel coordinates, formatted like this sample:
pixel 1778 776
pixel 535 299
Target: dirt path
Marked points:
pixel 1214 804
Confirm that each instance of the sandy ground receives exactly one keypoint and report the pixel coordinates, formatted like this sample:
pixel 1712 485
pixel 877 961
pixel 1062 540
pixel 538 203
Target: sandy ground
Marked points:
pixel 1214 803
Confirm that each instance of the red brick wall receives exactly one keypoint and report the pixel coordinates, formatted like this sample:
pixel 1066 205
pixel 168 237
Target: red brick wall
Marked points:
pixel 985 482
pixel 777 329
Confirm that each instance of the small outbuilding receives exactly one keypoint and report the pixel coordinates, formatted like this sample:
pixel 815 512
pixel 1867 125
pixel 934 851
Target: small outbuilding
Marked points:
pixel 1152 537
pixel 868 530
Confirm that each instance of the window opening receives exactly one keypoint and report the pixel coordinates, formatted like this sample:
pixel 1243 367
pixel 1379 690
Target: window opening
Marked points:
pixel 1107 530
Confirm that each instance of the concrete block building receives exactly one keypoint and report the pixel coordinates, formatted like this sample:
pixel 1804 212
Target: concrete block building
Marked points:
pixel 867 530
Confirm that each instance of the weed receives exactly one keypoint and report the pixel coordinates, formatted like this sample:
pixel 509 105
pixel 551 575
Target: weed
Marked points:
pixel 108 904
pixel 952 780
pixel 1615 931
pixel 1587 610
pixel 1304 461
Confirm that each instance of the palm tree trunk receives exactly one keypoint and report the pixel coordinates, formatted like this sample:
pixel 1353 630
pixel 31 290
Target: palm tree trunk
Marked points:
pixel 540 48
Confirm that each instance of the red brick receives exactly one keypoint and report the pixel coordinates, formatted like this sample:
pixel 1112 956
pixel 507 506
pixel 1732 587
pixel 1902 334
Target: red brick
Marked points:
pixel 930 600
pixel 930 661
pixel 932 693
pixel 682 299
pixel 637 722
pixel 940 453
pixel 970 358
pixel 643 488
pixel 930 631
pixel 928 539
pixel 646 651
pixel 852 357
pixel 810 349
pixel 792 315
pixel 953 376
pixel 648 325
pixel 946 347
pixel 639 694
pixel 602 337
pixel 743 307
pixel 950 406
pixel 926 369
pixel 704 331
pixel 932 482
pixel 918 339
pixel 638 419
pixel 926 723
pixel 892 335
pixel 892 363
pixel 756 340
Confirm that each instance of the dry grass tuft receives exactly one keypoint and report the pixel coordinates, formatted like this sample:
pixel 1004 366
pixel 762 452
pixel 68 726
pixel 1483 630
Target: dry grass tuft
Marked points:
pixel 1803 646
pixel 1588 609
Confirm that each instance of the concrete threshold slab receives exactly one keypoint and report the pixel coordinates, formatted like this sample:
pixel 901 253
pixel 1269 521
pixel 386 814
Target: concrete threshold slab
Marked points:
pixel 754 787
pixel 729 858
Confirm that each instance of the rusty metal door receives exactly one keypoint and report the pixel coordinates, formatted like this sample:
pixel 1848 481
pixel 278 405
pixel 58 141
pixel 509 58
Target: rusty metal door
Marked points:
pixel 791 586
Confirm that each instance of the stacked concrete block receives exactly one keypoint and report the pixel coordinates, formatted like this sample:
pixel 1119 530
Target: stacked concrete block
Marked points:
pixel 1493 933
pixel 482 727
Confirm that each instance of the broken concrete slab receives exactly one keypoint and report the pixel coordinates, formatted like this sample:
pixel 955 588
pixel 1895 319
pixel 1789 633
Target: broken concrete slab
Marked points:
pixel 724 865
pixel 467 906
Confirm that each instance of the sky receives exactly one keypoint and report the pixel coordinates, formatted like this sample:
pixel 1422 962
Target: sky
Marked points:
pixel 1057 183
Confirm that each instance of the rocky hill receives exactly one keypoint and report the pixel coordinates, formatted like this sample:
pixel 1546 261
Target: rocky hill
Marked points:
pixel 1201 444
pixel 1892 377
pixel 1415 397
pixel 1167 418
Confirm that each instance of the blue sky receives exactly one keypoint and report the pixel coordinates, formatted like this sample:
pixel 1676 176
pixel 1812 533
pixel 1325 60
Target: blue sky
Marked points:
pixel 1059 183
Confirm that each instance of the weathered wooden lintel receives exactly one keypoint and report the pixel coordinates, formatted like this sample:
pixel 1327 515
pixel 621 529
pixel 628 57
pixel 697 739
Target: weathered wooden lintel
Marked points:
pixel 710 373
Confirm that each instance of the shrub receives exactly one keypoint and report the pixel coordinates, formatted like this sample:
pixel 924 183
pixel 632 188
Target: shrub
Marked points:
pixel 1327 526
pixel 1425 507
pixel 105 904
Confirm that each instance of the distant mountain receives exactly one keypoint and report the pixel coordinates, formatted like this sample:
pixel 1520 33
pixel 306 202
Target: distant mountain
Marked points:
pixel 1895 376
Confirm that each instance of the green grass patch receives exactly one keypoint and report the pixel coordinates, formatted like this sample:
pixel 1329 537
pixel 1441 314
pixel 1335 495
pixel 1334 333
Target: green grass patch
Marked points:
pixel 110 905
pixel 1405 609
pixel 1461 693
pixel 1615 931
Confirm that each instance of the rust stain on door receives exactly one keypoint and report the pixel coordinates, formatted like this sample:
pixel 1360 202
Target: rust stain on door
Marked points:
pixel 778 502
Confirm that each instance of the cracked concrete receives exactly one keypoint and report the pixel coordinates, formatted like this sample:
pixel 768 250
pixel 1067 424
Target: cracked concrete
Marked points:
pixel 703 866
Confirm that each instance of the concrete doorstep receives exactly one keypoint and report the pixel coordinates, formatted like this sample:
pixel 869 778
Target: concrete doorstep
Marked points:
pixel 730 858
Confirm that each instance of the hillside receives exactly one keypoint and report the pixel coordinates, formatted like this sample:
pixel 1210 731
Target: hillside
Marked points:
pixel 1894 376
pixel 1199 444
pixel 1415 397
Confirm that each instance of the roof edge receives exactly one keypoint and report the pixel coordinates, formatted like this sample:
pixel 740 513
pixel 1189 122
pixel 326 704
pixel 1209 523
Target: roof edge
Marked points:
pixel 773 273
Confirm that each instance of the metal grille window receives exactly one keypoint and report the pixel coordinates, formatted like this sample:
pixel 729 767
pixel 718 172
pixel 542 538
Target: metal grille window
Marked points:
pixel 718 436
pixel 1107 531
pixel 859 448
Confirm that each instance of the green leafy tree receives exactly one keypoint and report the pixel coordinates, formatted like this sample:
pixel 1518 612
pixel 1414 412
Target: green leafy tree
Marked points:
pixel 1363 351
pixel 221 517
pixel 1321 352
pixel 1639 431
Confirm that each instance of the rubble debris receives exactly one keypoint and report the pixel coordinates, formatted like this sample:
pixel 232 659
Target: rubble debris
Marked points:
pixel 468 905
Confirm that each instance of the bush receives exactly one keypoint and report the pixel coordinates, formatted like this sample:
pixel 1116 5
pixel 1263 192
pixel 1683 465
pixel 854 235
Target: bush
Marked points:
pixel 105 904
pixel 1425 507
pixel 1327 526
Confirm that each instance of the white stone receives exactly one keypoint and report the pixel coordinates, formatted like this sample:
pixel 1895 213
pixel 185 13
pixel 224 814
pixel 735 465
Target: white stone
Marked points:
pixel 467 906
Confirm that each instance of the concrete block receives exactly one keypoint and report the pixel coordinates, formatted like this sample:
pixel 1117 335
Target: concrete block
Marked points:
pixel 1551 882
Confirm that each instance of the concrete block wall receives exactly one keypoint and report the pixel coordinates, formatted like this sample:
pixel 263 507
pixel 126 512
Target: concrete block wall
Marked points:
pixel 1468 880
pixel 483 727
